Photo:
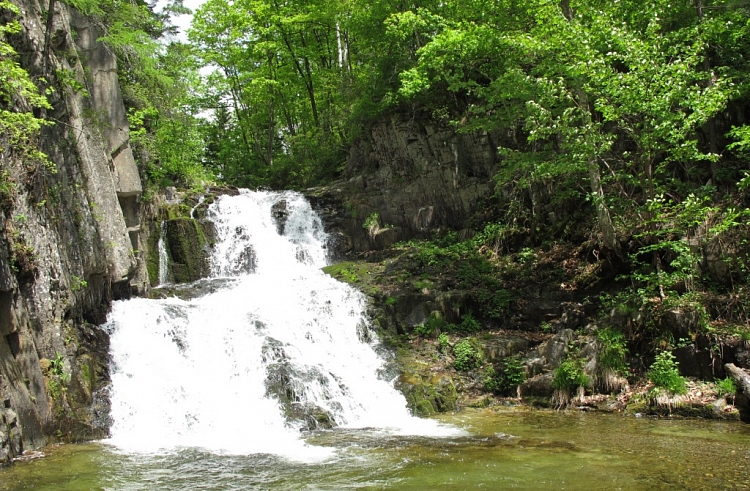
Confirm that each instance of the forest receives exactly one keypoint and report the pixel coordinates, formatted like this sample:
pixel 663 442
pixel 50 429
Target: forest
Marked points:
pixel 630 118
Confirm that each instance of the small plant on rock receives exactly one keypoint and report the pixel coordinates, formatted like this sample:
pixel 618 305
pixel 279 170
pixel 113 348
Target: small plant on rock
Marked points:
pixel 506 378
pixel 443 343
pixel 569 376
pixel 467 357
pixel 470 324
pixel 424 330
pixel 665 374
pixel 726 388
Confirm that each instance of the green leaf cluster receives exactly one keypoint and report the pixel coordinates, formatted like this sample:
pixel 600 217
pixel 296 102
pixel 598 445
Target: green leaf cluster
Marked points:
pixel 505 379
pixel 19 96
pixel 665 374
pixel 466 356
pixel 570 375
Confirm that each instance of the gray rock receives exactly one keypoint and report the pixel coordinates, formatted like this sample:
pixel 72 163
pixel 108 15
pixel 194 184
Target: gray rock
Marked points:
pixel 556 347
pixel 538 386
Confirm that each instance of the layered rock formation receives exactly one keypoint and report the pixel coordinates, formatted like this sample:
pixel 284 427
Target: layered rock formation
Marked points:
pixel 407 179
pixel 69 239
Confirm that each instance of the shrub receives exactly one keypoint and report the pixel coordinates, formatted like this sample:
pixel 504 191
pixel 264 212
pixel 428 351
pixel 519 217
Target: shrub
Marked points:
pixel 467 357
pixel 424 330
pixel 726 387
pixel 568 376
pixel 664 373
pixel 611 360
pixel 443 343
pixel 613 350
pixel 470 324
pixel 506 379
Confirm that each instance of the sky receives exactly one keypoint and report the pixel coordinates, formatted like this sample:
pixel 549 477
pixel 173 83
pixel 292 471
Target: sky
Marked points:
pixel 183 21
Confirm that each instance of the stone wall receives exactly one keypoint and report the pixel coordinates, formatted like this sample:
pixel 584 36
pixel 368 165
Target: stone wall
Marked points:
pixel 68 238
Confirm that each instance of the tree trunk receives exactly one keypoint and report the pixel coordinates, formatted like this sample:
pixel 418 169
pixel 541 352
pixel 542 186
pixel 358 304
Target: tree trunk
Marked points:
pixel 740 376
pixel 713 145
pixel 606 226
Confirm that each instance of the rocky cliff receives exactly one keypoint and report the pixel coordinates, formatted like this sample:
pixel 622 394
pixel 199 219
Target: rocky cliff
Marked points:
pixel 408 178
pixel 70 235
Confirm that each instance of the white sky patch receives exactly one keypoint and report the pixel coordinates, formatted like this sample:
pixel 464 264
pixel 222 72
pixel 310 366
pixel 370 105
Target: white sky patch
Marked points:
pixel 183 21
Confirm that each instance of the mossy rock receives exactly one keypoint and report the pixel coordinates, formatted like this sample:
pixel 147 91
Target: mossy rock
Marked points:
pixel 426 397
pixel 188 248
pixel 152 257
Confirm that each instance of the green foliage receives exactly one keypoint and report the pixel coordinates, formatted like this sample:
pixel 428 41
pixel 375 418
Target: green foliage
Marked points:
pixel 506 378
pixel 466 356
pixel 57 368
pixel 726 387
pixel 475 274
pixel 424 330
pixel 19 127
pixel 665 374
pixel 77 283
pixel 570 375
pixel 443 342
pixel 23 258
pixel 612 350
pixel 372 222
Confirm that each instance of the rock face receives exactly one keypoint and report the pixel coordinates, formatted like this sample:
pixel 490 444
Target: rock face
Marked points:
pixel 417 176
pixel 68 239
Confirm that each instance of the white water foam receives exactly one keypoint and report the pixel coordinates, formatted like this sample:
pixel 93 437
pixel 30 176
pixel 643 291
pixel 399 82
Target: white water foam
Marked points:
pixel 196 373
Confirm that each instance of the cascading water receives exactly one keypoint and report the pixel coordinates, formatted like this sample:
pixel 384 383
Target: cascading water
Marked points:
pixel 163 258
pixel 282 347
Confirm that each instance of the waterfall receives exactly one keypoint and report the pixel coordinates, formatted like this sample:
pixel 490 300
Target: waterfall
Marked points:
pixel 279 348
pixel 163 258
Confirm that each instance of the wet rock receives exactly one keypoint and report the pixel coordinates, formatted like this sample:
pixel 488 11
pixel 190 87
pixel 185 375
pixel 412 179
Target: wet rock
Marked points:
pixel 290 385
pixel 280 215
pixel 428 394
pixel 224 190
pixel 681 322
pixel 188 248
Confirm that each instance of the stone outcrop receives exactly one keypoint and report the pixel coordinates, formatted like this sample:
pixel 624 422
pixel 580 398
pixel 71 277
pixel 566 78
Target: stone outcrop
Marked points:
pixel 69 239
pixel 417 176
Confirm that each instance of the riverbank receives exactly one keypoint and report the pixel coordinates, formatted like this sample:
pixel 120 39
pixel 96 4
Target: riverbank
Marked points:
pixel 484 330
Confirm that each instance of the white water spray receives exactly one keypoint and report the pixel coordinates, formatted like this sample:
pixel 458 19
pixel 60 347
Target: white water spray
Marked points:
pixel 233 371
pixel 163 258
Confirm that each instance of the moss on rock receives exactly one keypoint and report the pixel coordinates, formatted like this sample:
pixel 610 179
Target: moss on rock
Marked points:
pixel 152 257
pixel 188 248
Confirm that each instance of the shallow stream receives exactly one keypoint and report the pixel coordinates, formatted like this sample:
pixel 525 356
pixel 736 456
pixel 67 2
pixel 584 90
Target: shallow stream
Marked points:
pixel 513 449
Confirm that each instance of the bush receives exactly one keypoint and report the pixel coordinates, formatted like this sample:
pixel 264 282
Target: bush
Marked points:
pixel 424 330
pixel 569 376
pixel 664 373
pixel 612 350
pixel 470 324
pixel 467 357
pixel 443 343
pixel 506 379
pixel 726 387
